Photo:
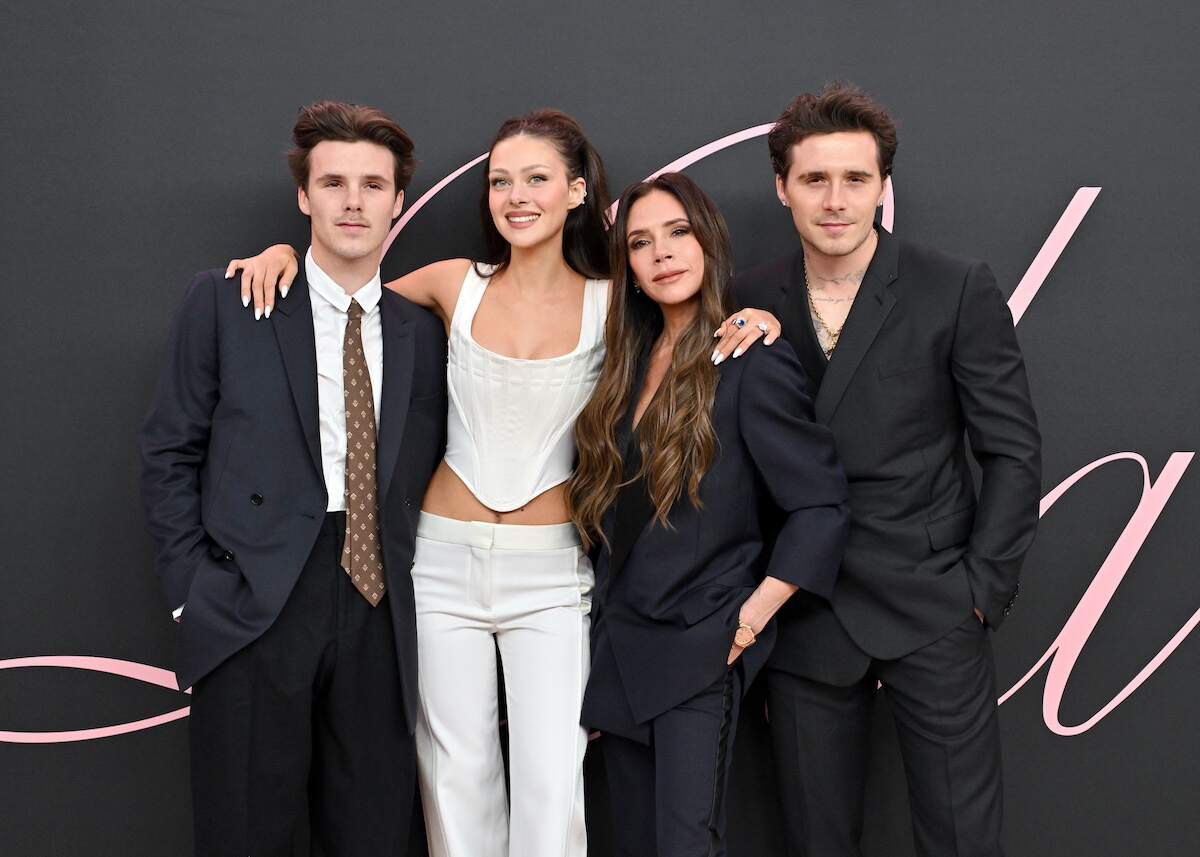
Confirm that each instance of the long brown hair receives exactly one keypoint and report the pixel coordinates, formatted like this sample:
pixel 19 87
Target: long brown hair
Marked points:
pixel 675 434
pixel 585 249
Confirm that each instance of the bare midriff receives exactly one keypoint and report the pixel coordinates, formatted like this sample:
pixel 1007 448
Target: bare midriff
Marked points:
pixel 449 497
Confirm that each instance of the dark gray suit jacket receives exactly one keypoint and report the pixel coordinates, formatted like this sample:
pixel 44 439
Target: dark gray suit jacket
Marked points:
pixel 928 357
pixel 231 464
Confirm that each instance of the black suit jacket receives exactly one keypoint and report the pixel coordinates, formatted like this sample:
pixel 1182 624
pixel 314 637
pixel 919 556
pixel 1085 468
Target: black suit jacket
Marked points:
pixel 231 464
pixel 928 355
pixel 669 598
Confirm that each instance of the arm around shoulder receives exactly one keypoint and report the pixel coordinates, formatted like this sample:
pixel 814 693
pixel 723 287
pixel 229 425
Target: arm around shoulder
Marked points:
pixel 435 286
pixel 796 458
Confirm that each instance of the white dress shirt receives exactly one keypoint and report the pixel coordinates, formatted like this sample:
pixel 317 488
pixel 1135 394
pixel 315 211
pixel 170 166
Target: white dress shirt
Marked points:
pixel 330 312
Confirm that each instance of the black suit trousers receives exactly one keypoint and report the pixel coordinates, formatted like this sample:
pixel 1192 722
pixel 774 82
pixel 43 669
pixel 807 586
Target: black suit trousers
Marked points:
pixel 943 699
pixel 299 742
pixel 668 796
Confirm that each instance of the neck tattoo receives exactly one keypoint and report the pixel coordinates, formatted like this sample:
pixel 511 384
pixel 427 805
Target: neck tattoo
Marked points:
pixel 851 279
pixel 854 278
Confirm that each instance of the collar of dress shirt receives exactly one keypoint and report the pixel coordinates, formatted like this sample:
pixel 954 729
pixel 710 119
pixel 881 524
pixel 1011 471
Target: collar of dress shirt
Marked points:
pixel 324 285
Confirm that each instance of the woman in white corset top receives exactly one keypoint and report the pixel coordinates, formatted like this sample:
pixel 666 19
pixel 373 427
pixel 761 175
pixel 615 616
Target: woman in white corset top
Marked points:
pixel 498 562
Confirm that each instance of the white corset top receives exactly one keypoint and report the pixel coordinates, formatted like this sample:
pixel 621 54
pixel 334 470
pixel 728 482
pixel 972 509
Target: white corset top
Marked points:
pixel 510 427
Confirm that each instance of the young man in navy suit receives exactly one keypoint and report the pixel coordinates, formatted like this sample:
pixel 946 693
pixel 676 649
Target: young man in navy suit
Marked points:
pixel 908 351
pixel 283 468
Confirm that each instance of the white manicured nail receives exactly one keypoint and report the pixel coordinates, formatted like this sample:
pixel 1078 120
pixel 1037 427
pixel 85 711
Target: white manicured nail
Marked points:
pixel 737 352
pixel 283 290
pixel 268 312
pixel 716 352
pixel 245 300
pixel 719 359
pixel 257 313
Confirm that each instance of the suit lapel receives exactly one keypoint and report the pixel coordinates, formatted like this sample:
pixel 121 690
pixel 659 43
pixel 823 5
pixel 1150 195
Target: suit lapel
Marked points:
pixel 871 308
pixel 633 508
pixel 293 326
pixel 397 388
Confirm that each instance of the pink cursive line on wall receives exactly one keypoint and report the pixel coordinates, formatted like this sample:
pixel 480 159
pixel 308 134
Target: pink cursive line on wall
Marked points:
pixel 1056 242
pixel 426 197
pixel 1065 650
pixel 109 666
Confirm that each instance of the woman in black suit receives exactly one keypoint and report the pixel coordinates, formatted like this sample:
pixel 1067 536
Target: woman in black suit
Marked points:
pixel 682 464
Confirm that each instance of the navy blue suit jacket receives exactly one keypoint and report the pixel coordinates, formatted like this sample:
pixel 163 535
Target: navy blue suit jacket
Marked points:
pixel 670 598
pixel 231 464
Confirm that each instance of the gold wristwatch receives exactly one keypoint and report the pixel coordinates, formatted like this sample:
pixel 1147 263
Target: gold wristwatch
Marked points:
pixel 744 636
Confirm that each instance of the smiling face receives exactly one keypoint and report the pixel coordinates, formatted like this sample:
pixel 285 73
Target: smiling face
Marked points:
pixel 832 188
pixel 352 199
pixel 666 259
pixel 530 190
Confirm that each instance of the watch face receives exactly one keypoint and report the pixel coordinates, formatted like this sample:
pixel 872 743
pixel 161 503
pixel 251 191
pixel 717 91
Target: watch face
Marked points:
pixel 744 637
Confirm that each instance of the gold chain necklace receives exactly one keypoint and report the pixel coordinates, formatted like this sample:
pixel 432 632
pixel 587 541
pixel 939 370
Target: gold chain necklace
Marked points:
pixel 833 334
pixel 830 332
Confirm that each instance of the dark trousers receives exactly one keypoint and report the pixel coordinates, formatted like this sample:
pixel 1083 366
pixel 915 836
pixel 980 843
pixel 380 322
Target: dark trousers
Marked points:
pixel 943 698
pixel 671 793
pixel 299 742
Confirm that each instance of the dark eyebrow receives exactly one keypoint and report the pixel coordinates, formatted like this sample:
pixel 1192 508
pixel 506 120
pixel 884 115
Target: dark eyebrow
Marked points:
pixel 341 178
pixel 672 222
pixel 502 171
pixel 824 174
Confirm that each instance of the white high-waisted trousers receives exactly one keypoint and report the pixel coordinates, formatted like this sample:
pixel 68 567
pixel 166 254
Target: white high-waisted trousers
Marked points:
pixel 526 589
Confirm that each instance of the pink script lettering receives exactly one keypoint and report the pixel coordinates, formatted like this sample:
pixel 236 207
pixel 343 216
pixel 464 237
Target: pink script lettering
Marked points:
pixel 1065 650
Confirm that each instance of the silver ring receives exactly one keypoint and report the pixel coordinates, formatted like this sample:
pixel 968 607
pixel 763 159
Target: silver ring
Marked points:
pixel 762 325
pixel 739 323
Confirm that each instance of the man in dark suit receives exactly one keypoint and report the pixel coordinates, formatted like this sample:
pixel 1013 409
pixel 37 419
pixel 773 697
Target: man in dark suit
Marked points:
pixel 908 351
pixel 284 512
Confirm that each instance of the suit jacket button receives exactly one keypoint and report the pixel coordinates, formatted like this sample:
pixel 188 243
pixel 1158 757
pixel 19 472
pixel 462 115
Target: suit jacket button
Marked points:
pixel 407 502
pixel 227 556
pixel 256 499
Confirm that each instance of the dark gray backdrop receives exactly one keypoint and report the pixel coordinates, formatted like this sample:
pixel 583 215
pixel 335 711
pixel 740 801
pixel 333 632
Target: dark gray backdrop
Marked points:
pixel 143 141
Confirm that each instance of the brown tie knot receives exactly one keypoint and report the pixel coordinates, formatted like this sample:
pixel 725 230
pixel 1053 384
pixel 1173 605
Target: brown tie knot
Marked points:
pixel 355 310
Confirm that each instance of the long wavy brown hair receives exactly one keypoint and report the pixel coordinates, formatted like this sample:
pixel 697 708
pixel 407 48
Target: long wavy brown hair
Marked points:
pixel 675 433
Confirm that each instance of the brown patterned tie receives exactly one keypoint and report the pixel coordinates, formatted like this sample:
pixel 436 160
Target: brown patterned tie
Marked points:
pixel 362 555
